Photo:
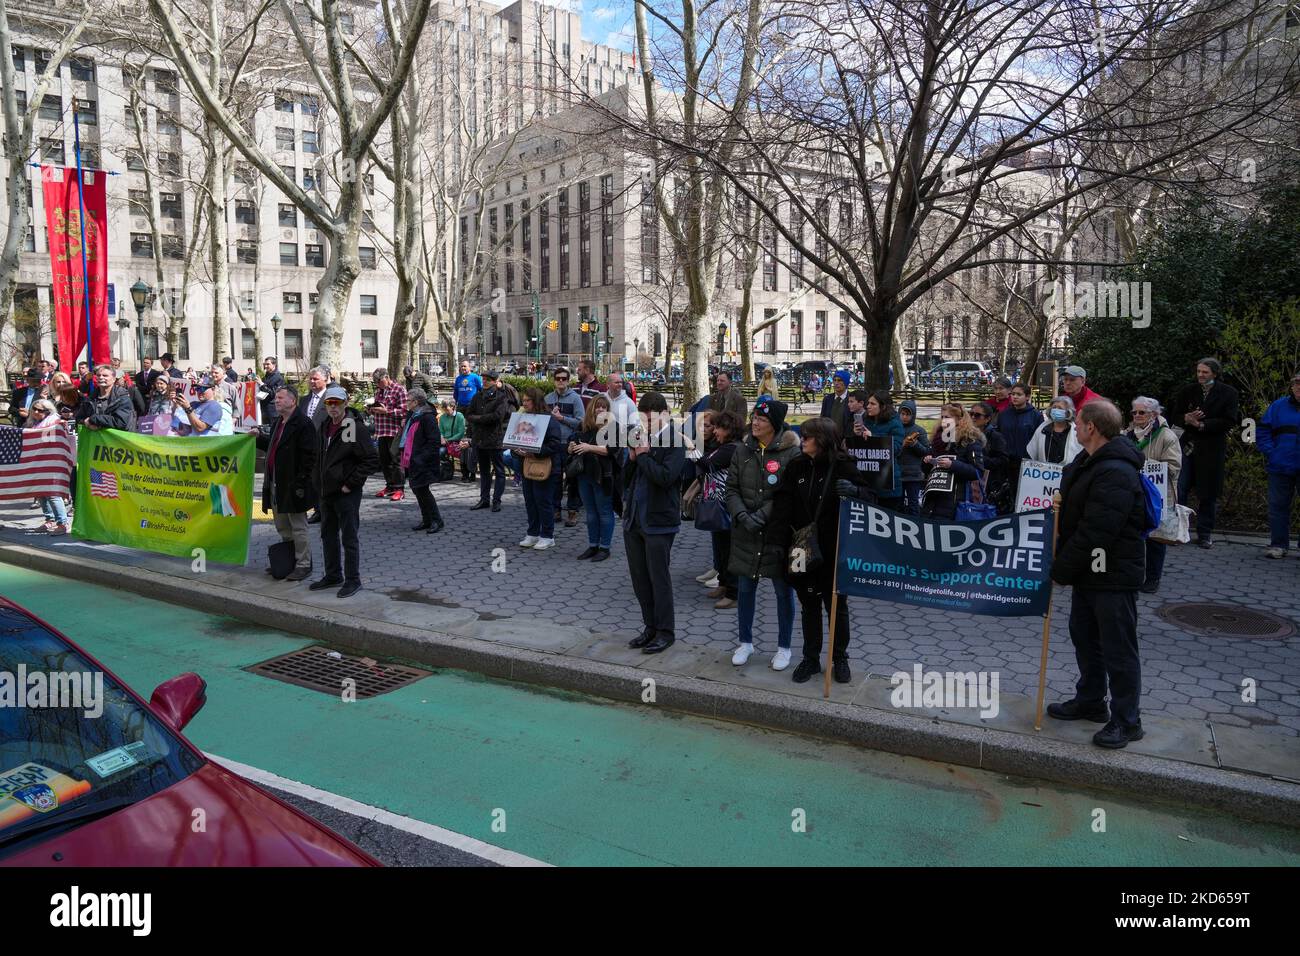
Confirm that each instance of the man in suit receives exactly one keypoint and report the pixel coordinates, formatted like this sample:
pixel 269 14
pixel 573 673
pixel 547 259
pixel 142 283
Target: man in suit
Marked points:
pixel 288 491
pixel 836 405
pixel 228 369
pixel 313 405
pixel 1206 410
pixel 272 381
pixel 726 398
pixel 345 458
pixel 144 378
pixel 25 394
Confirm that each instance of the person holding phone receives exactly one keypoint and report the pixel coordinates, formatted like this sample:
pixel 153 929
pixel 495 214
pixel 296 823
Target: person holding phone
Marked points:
pixel 963 456
pixel 873 416
pixel 201 418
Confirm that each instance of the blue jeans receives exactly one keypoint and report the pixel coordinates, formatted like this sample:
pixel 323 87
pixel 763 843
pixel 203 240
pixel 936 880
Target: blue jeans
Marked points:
pixel 537 502
pixel 54 509
pixel 600 513
pixel 747 600
pixel 1282 490
pixel 912 497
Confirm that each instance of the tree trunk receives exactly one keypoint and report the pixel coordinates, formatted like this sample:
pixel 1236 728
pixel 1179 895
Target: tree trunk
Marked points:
pixel 879 335
pixel 335 286
pixel 899 360
pixel 743 324
pixel 10 256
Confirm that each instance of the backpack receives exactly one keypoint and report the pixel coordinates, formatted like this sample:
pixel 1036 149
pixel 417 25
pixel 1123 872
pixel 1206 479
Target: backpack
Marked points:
pixel 1155 503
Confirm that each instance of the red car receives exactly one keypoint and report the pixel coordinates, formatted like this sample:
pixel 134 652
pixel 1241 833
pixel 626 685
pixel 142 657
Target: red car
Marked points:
pixel 91 775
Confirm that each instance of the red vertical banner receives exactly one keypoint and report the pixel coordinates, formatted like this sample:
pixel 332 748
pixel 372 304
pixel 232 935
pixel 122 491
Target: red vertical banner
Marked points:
pixel 63 225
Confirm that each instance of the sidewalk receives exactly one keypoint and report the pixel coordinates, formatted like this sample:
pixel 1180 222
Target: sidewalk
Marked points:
pixel 547 618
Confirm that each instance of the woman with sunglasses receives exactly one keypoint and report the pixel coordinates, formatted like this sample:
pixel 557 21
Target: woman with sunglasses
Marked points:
pixel 45 415
pixel 998 486
pixel 1157 441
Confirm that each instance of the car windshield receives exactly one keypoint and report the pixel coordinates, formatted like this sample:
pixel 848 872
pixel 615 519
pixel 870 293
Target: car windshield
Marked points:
pixel 74 744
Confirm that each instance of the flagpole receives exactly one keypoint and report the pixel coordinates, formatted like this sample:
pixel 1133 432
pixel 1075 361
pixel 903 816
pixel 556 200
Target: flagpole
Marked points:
pixel 1047 618
pixel 85 266
pixel 835 598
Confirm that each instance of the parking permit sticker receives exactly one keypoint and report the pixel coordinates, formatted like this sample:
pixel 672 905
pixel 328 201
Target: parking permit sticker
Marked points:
pixel 119 758
pixel 31 789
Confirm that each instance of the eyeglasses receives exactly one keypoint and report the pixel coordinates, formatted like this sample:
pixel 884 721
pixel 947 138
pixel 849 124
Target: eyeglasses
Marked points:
pixel 334 401
pixel 978 415
pixel 561 378
pixel 1140 411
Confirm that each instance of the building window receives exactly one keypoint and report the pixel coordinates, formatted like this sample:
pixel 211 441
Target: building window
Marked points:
pixel 51 108
pixel 246 252
pixel 137 202
pixel 606 230
pixel 283 103
pixel 170 207
pixel 149 341
pixel 284 138
pixel 169 164
pixel 819 329
pixel 29 240
pixel 87 115
pixel 796 330
pixel 309 179
pixel 370 305
pixel 769 260
pixel 368 182
pixel 367 256
pixel 83 71
pixel 526 241
pixel 134 161
pixel 182 346
pixel 649 236
pixel 562 218
pixel 290 173
pixel 20 59
pixel 309 141
pixel 509 224
pixel 244 174
pixel 769 333
pixel 245 213
pixel 173 247
pixel 310 105
pixel 288 253
pixel 52 151
pixel 141 245
pixel 291 303
pixel 164 81
pixel 293 343
pixel 584 234
pixel 168 125
pixel 313 300
pixel 369 343
pixel 315 256
pixel 845 332
pixel 288 217
pixel 544 244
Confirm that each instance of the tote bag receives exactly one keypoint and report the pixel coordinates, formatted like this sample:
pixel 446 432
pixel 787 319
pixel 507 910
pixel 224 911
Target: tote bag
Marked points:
pixel 979 510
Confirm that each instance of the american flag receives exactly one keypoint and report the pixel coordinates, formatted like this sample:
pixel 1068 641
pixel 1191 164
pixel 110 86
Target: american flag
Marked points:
pixel 103 484
pixel 35 462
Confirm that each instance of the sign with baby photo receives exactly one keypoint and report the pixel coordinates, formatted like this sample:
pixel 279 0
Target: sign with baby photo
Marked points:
pixel 526 432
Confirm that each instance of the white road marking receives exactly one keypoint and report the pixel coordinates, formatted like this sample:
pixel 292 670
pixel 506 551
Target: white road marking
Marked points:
pixel 427 831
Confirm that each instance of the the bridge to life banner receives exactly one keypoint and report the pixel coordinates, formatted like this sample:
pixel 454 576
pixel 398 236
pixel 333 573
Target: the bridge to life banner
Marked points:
pixel 999 567
pixel 170 495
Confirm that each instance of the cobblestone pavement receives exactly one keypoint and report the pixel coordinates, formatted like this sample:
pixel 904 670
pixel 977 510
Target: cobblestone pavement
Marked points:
pixel 1185 674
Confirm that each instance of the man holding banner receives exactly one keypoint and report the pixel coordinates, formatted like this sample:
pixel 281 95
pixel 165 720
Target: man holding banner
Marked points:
pixel 111 406
pixel 1101 553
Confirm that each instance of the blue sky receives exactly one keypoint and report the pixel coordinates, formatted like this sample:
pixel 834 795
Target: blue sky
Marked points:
pixel 604 21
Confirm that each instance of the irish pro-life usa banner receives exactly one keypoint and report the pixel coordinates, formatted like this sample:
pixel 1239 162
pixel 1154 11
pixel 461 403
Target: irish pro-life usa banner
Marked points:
pixel 170 495
pixel 998 567
pixel 69 282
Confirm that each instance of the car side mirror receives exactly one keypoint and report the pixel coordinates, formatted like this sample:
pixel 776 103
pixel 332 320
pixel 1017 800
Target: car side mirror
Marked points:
pixel 179 699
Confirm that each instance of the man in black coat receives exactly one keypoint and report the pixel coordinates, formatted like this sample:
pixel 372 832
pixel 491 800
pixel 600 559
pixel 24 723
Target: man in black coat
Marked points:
pixel 25 393
pixel 1206 411
pixel 1102 554
pixel 144 378
pixel 272 381
pixel 835 406
pixel 345 458
pixel 486 419
pixel 288 491
pixel 111 407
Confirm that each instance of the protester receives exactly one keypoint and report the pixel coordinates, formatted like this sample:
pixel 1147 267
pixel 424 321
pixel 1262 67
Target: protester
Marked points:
pixel 1103 512
pixel 652 515
pixel 588 385
pixel 44 415
pixel 468 384
pixel 836 406
pixel 66 397
pixel 288 488
pixel 758 551
pixel 912 457
pixel 820 471
pixel 387 411
pixel 1206 410
pixel 539 494
pixel 726 398
pixel 1278 439
pixel 145 378
pixel 451 426
pixel 345 459
pixel 168 363
pixel 1001 399
pixel 414 378
pixel 1017 424
pixel 85 379
pixel 596 446
pixel 1055 441
pixel 999 485
pixel 160 396
pixel 720 448
pixel 1074 383
pixel 565 406
pixel 419 447
pixel 489 410
pixel 621 405
pixel 226 389
pixel 111 406
pixel 24 397
pixel 272 381
pixel 873 416
pixel 318 379
pixel 1157 442
pixel 202 418
pixel 963 455
pixel 767 386
pixel 228 370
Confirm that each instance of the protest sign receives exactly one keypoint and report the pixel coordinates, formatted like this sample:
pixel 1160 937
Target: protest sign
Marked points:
pixel 1158 472
pixel 526 432
pixel 874 457
pixel 248 410
pixel 997 567
pixel 1039 480
pixel 170 495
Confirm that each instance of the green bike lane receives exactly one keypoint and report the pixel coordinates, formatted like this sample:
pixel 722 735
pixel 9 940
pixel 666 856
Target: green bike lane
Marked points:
pixel 582 781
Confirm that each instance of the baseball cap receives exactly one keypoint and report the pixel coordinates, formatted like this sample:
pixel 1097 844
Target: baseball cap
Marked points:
pixel 205 382
pixel 335 393
pixel 492 374
pixel 1075 370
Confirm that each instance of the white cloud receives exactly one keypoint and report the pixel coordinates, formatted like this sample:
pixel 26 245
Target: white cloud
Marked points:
pixel 604 13
pixel 620 40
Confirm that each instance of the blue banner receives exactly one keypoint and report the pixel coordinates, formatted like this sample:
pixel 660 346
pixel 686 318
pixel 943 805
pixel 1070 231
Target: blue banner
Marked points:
pixel 1000 567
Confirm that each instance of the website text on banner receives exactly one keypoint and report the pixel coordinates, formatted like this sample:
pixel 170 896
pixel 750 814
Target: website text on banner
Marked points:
pixel 64 232
pixel 170 495
pixel 999 567
pixel 1039 480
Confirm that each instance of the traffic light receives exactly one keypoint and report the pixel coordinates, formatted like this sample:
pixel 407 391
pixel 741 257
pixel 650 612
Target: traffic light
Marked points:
pixel 553 325
pixel 586 326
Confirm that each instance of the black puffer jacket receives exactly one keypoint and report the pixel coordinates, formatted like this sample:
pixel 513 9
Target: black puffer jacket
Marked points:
pixel 758 548
pixel 1103 512
pixel 487 417
pixel 112 410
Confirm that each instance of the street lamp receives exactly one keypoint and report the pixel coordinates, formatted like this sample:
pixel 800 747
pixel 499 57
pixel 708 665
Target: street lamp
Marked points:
pixel 722 342
pixel 276 322
pixel 123 323
pixel 141 294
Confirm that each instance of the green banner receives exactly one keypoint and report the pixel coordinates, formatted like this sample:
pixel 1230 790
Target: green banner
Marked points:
pixel 171 495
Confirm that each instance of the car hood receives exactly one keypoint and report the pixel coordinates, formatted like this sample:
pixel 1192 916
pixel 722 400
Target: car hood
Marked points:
pixel 242 825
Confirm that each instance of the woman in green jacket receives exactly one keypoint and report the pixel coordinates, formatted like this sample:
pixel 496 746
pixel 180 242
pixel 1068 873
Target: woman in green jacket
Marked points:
pixel 452 425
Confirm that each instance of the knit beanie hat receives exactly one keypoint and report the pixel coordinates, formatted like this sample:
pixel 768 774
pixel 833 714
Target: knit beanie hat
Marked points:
pixel 773 410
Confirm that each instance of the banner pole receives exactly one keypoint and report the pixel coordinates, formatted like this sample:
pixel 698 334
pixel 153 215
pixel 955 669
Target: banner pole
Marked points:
pixel 1047 618
pixel 85 266
pixel 835 598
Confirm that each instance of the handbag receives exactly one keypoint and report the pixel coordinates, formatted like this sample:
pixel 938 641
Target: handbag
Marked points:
pixel 537 469
pixel 453 449
pixel 1175 526
pixel 574 467
pixel 689 497
pixel 980 510
pixel 805 550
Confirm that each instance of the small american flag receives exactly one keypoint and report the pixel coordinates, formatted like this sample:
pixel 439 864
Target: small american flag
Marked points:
pixel 35 462
pixel 103 484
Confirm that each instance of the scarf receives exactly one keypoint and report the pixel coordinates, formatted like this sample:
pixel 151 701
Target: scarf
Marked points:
pixel 1143 435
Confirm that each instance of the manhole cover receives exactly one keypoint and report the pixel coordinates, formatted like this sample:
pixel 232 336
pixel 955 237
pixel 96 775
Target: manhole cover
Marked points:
pixel 1227 620
pixel 325 670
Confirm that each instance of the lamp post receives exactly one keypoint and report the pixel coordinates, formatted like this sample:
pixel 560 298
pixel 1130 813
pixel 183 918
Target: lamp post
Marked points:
pixel 141 294
pixel 722 343
pixel 276 322
pixel 123 323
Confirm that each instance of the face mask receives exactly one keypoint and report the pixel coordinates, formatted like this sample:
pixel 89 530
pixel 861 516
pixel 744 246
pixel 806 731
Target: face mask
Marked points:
pixel 1059 415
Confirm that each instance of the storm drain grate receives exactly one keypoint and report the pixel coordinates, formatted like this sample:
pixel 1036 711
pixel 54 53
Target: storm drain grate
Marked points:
pixel 1226 620
pixel 320 668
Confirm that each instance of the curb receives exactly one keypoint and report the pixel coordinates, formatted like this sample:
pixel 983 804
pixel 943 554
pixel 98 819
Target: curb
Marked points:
pixel 1257 798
